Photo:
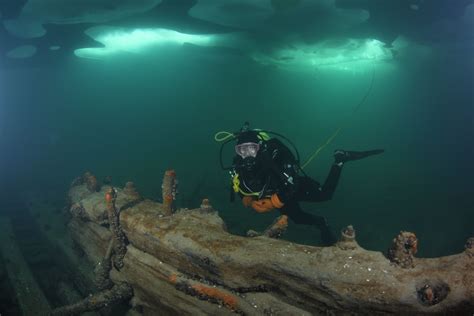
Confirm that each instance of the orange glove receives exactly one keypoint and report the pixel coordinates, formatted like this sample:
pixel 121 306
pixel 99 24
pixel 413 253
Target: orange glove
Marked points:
pixel 247 201
pixel 277 203
pixel 263 205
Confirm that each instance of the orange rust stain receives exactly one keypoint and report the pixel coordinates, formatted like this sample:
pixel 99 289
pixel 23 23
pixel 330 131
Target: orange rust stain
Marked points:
pixel 230 301
pixel 170 173
pixel 173 278
pixel 429 294
pixel 108 197
pixel 283 221
pixel 413 243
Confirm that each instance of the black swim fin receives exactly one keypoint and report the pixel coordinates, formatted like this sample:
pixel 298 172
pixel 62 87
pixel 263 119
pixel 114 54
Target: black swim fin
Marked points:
pixel 341 156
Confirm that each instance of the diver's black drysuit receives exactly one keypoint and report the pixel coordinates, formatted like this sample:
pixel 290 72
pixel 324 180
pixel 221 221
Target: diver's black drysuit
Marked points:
pixel 275 170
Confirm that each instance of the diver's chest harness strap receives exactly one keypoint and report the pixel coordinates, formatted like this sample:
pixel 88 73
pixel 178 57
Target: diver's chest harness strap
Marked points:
pixel 239 186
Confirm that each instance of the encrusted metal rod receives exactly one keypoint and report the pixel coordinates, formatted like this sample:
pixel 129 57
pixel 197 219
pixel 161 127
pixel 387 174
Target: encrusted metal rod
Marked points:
pixel 119 244
pixel 348 234
pixel 206 205
pixel 102 269
pixel 213 294
pixel 275 230
pixel 403 248
pixel 169 190
pixel 119 292
pixel 348 240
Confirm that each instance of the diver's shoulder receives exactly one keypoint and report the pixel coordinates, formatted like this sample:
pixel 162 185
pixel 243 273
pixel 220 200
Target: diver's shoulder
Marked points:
pixel 275 143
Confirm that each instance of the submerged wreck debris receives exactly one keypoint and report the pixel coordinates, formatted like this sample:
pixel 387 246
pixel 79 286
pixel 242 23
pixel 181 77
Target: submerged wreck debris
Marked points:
pixel 29 295
pixel 348 239
pixel 89 179
pixel 111 292
pixel 403 248
pixel 91 182
pixel 187 263
pixel 169 189
pixel 431 293
pixel 118 237
pixel 77 210
pixel 102 269
pixel 131 190
pixel 118 293
pixel 348 234
pixel 206 205
pixel 275 230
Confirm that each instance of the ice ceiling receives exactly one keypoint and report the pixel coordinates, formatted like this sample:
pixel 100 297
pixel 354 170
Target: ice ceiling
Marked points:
pixel 292 34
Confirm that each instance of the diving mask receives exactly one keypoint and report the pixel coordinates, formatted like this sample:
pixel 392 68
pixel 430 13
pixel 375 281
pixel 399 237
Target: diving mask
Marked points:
pixel 247 150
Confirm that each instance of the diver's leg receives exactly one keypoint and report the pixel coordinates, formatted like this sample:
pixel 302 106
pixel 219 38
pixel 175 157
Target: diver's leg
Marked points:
pixel 310 190
pixel 293 210
pixel 329 186
pixel 340 157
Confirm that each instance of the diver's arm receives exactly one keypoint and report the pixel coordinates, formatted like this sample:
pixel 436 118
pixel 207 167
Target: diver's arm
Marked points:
pixel 284 170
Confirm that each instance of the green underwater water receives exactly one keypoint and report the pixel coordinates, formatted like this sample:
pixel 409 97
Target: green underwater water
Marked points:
pixel 133 117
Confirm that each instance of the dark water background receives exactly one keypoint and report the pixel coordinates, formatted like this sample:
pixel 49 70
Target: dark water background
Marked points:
pixel 134 117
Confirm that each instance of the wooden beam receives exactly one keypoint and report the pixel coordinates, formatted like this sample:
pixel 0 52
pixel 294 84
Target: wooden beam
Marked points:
pixel 28 293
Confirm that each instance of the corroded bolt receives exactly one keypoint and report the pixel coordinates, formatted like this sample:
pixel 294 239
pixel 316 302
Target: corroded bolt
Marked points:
pixel 426 295
pixel 433 292
pixel 206 204
pixel 131 190
pixel 411 244
pixel 348 233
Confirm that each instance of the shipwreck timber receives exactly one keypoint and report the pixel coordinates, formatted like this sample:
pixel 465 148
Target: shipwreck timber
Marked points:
pixel 186 263
pixel 30 297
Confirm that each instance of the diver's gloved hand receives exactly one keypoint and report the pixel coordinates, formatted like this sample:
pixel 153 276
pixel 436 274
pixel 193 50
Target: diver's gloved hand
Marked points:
pixel 276 201
pixel 247 201
pixel 342 156
pixel 267 204
pixel 263 205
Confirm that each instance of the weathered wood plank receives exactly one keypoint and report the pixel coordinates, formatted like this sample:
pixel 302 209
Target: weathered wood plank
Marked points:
pixel 30 296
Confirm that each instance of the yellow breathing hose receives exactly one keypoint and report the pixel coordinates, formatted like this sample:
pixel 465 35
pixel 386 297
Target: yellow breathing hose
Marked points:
pixel 223 135
pixel 316 153
pixel 331 138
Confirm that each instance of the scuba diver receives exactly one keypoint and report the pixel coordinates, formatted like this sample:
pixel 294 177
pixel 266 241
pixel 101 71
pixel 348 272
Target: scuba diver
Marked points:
pixel 267 176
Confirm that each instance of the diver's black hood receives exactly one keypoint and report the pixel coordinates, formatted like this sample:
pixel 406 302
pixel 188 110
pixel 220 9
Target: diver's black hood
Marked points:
pixel 248 137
